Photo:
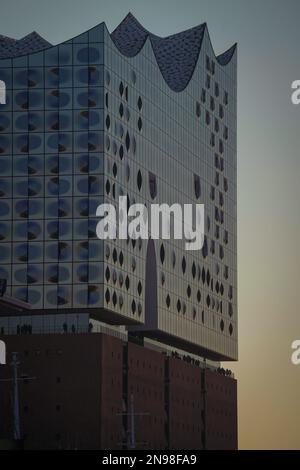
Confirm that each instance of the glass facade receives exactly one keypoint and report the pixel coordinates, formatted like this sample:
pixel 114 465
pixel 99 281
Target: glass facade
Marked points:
pixel 98 117
pixel 51 156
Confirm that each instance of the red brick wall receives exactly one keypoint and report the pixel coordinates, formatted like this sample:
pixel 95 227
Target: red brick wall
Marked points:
pixel 82 384
pixel 221 411
pixel 185 404
pixel 146 384
pixel 61 408
pixel 111 392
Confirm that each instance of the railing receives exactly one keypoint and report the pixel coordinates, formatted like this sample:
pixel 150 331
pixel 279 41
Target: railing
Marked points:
pixel 43 329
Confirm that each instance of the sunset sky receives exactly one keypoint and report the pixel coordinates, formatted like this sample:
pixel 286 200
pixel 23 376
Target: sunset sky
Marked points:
pixel 268 37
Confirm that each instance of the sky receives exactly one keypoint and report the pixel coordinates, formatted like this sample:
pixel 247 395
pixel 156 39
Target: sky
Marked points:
pixel 268 34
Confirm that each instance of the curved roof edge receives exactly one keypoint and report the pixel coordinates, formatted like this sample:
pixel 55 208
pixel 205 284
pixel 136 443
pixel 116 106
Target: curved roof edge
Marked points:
pixel 32 42
pixel 226 56
pixel 176 55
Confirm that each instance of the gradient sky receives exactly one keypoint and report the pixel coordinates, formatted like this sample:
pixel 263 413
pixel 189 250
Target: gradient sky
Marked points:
pixel 268 36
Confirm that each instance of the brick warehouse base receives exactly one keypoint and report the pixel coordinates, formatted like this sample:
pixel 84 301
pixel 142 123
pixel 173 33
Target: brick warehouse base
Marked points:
pixel 90 389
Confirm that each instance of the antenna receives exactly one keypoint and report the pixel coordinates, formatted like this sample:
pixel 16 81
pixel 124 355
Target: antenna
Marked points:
pixel 131 442
pixel 16 402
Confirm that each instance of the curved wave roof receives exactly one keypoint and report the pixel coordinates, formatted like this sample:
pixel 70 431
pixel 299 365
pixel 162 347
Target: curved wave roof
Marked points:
pixel 176 55
pixel 10 47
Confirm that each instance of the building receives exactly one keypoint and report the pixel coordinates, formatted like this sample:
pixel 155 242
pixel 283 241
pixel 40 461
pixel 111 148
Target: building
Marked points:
pixel 82 391
pixel 122 114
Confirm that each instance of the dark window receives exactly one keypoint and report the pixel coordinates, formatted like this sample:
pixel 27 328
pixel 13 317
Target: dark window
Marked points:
pixel 140 103
pixel 127 141
pixel 197 186
pixel 152 185
pixel 217 127
pixel 207 82
pixel 225 185
pixel 162 254
pixel 139 180
pixel 221 111
pixel 207 63
pixel 183 265
pixel 207 118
